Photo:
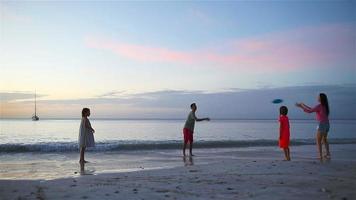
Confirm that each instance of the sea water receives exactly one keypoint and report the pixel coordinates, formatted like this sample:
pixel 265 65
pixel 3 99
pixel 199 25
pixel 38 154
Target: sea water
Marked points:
pixel 48 149
pixel 113 135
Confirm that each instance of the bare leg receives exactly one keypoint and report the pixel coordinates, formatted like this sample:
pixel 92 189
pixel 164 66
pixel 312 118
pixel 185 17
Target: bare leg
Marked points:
pixel 326 143
pixel 288 153
pixel 184 146
pixel 191 148
pixel 318 143
pixel 285 153
pixel 82 167
pixel 82 150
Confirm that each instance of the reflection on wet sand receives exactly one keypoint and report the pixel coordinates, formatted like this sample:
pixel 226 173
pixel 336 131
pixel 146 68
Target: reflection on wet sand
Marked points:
pixel 189 161
pixel 85 172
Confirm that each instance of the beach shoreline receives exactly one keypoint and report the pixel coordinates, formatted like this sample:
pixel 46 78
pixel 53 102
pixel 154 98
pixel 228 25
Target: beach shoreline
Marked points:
pixel 231 173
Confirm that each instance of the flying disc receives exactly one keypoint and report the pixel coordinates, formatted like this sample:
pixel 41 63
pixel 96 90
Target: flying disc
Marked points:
pixel 277 101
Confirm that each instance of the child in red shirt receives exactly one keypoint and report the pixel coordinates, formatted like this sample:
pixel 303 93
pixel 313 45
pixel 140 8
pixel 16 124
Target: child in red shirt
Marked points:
pixel 284 131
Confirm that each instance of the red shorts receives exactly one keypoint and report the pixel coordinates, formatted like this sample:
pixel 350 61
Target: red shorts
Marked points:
pixel 188 135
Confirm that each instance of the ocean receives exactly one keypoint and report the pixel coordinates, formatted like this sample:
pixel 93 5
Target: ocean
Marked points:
pixel 48 149
pixel 50 135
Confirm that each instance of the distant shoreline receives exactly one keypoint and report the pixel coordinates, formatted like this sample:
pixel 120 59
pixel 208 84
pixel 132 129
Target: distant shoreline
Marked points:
pixel 175 119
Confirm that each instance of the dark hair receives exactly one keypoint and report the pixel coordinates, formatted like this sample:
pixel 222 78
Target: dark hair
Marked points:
pixel 283 110
pixel 193 104
pixel 324 101
pixel 84 111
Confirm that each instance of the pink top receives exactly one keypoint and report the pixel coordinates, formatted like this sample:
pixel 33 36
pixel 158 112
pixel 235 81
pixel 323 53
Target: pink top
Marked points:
pixel 321 114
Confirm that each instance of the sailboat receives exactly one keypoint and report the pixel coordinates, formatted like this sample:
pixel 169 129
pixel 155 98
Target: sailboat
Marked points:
pixel 35 117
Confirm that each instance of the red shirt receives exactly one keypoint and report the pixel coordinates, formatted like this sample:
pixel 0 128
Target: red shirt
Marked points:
pixel 284 127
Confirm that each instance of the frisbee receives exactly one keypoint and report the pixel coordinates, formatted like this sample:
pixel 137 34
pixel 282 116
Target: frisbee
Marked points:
pixel 277 101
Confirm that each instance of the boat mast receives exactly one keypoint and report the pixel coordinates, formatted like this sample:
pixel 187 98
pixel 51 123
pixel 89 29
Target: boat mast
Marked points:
pixel 35 105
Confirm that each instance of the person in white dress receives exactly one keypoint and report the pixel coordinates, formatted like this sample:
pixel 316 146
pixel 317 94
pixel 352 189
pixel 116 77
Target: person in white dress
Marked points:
pixel 86 136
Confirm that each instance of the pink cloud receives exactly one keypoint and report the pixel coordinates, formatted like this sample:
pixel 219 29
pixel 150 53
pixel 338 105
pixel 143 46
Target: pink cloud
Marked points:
pixel 288 50
pixel 139 52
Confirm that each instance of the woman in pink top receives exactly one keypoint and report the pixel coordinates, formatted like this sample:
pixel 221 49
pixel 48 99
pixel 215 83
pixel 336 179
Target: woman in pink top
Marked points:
pixel 322 115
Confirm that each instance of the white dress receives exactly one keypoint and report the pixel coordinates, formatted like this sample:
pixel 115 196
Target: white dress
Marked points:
pixel 86 136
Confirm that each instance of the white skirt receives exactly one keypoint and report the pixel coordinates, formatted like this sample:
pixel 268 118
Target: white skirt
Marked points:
pixel 86 137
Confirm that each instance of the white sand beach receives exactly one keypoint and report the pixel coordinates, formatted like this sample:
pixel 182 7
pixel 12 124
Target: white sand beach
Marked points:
pixel 231 173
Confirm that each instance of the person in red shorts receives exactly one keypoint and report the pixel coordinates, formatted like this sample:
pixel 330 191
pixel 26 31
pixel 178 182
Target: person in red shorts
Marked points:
pixel 284 132
pixel 188 129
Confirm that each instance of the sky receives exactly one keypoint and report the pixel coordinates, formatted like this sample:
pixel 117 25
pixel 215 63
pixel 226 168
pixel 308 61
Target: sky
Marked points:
pixel 151 59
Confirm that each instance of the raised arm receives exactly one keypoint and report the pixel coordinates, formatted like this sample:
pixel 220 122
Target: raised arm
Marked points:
pixel 200 119
pixel 308 109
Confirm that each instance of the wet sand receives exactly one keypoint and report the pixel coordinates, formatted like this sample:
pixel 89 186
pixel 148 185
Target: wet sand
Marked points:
pixel 234 173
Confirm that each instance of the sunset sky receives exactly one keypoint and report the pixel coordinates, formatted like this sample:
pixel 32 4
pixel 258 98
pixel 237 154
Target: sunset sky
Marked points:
pixel 119 57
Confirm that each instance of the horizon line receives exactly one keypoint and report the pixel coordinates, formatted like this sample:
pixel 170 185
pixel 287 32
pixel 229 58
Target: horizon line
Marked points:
pixel 130 118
